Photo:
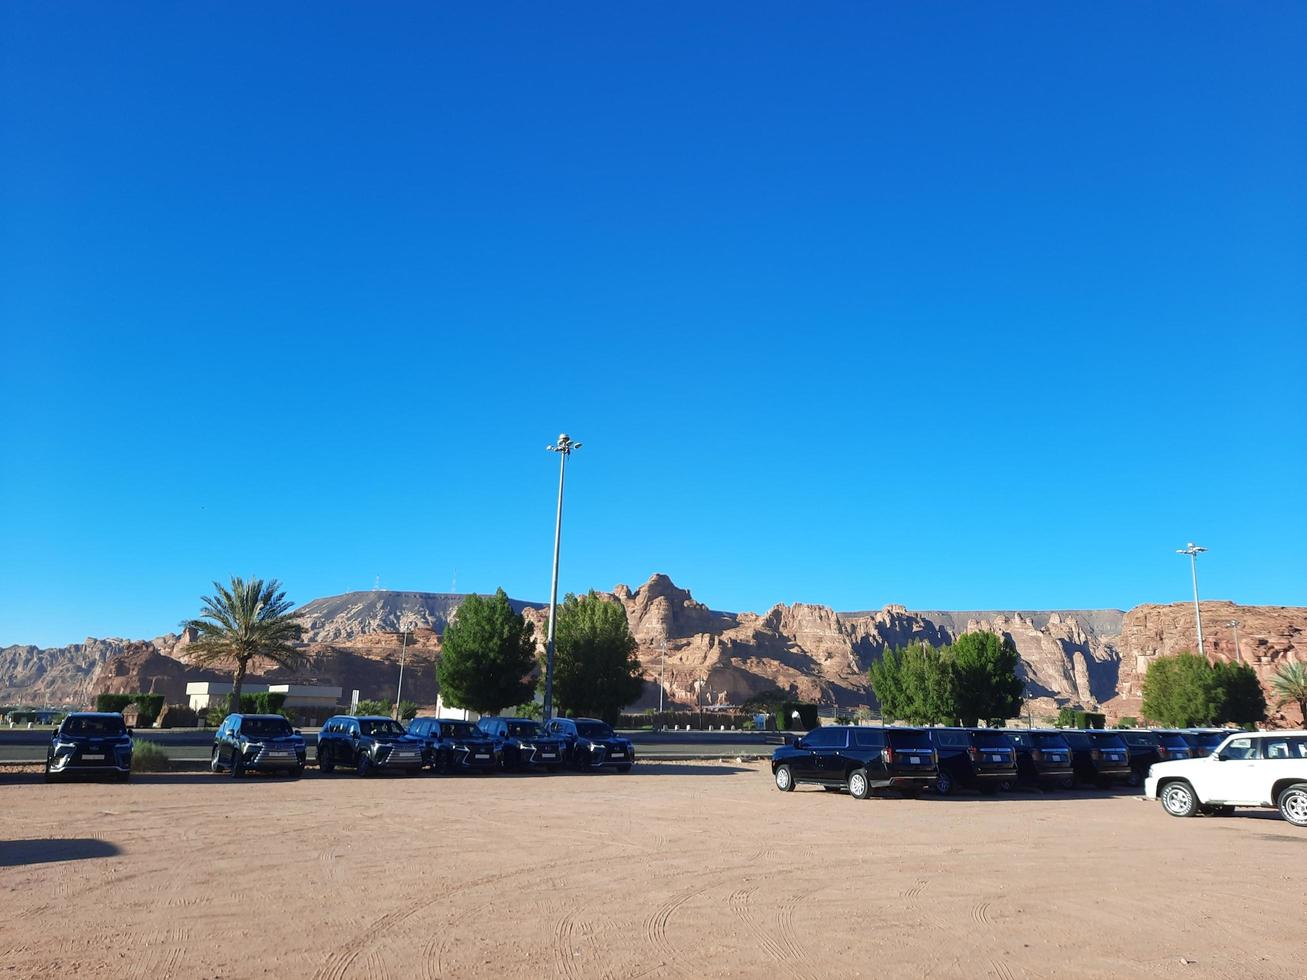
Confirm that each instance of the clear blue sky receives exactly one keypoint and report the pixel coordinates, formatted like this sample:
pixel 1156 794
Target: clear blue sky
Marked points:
pixel 952 305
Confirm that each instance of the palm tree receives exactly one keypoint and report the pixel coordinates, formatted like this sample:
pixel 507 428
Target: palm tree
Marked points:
pixel 1290 683
pixel 241 622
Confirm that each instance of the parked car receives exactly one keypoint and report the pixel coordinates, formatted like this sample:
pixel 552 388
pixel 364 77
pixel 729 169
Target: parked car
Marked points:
pixel 522 743
pixel 1151 746
pixel 1043 758
pixel 1205 741
pixel 90 742
pixel 858 759
pixel 368 744
pixel 974 758
pixel 592 744
pixel 453 745
pixel 1098 757
pixel 249 743
pixel 1254 769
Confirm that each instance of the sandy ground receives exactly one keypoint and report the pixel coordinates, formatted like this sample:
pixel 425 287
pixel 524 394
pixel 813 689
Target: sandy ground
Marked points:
pixel 672 871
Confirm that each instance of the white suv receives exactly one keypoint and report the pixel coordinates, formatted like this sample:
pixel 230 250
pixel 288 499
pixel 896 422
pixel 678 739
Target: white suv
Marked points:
pixel 1264 769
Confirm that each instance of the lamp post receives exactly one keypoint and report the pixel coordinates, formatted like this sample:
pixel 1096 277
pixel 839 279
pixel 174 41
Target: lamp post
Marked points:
pixel 1193 551
pixel 1234 625
pixel 399 689
pixel 662 678
pixel 564 448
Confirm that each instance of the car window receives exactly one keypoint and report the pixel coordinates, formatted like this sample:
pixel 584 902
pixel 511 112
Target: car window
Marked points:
pixel 950 739
pixel 1240 748
pixel 907 738
pixel 827 738
pixel 94 726
pixel 1284 747
pixel 1108 741
pixel 868 738
pixel 1050 741
pixel 1077 740
pixel 991 740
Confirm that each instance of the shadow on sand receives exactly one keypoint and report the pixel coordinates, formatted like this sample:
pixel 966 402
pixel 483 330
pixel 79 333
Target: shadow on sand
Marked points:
pixel 14 853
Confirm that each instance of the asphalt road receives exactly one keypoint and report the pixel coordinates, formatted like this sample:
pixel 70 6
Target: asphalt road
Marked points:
pixel 192 745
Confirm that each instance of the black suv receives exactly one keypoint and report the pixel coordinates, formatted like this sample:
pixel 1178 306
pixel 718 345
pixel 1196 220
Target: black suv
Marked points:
pixel 90 742
pixel 1098 757
pixel 249 743
pixel 368 744
pixel 522 743
pixel 1043 758
pixel 1147 748
pixel 1204 741
pixel 452 745
pixel 859 759
pixel 975 758
pixel 592 744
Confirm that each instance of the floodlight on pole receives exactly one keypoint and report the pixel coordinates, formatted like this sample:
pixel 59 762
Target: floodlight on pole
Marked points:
pixel 1193 551
pixel 1234 625
pixel 564 447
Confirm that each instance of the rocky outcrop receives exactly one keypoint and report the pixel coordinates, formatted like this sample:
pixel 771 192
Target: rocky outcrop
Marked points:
pixel 55 675
pixel 1268 637
pixel 141 668
pixel 345 618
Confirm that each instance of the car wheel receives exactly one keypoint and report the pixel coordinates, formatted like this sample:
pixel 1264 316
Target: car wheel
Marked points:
pixel 784 779
pixel 1293 804
pixel 325 762
pixel 364 768
pixel 1136 778
pixel 1007 786
pixel 859 784
pixel 237 765
pixel 214 765
pixel 944 784
pixel 1068 783
pixel 1178 799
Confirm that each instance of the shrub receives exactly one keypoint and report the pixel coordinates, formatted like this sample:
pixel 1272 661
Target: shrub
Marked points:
pixel 1127 721
pixel 148 707
pixel 113 702
pixel 262 703
pixel 214 716
pixel 407 710
pixel 148 757
pixel 374 707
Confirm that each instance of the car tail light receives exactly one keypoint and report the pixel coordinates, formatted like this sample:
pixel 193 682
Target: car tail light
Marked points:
pixel 887 753
pixel 974 753
pixel 1163 751
pixel 1095 754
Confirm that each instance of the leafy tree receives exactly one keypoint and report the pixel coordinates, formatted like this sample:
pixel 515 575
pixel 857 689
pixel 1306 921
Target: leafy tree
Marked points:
pixel 985 674
pixel 488 654
pixel 243 622
pixel 595 668
pixel 374 706
pixel 407 710
pixel 1242 699
pixel 1182 690
pixel 915 684
pixel 1290 686
pixel 765 700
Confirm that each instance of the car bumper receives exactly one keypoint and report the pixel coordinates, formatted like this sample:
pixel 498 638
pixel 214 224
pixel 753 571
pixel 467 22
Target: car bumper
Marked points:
pixel 906 782
pixel 63 766
pixel 1150 788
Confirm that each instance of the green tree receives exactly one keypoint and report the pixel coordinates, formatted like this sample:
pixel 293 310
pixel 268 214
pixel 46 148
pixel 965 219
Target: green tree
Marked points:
pixel 596 672
pixel 488 654
pixel 1242 699
pixel 765 700
pixel 986 684
pixel 375 706
pixel 242 622
pixel 1182 690
pixel 1290 686
pixel 915 684
pixel 407 710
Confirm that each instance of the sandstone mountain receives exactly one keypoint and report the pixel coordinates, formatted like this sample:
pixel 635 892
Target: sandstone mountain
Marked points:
pixel 1093 657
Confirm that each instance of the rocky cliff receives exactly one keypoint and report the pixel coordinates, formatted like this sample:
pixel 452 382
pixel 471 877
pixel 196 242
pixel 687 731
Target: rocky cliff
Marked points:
pixel 702 656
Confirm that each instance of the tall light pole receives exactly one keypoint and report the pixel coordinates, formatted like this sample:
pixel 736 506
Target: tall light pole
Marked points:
pixel 1193 551
pixel 399 689
pixel 662 679
pixel 564 448
pixel 1234 625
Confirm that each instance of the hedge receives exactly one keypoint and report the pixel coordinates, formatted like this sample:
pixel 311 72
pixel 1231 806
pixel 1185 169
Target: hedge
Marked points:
pixel 1071 718
pixel 113 702
pixel 148 707
pixel 263 703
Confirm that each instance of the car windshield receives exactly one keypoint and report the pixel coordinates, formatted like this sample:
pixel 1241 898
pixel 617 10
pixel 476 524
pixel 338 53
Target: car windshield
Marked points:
pixel 1050 741
pixel 593 729
pixel 523 729
pixel 265 727
pixel 459 729
pixel 1173 740
pixel 94 726
pixel 991 740
pixel 379 727
pixel 1077 740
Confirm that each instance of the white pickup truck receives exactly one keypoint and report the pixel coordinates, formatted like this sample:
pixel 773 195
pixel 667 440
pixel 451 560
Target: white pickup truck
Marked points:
pixel 1262 769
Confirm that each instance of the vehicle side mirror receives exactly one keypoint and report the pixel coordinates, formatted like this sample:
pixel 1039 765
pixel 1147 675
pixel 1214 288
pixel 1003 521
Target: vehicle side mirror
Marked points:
pixel 1215 757
pixel 800 743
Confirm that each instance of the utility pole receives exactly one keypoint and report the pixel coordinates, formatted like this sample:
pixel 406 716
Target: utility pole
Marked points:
pixel 399 690
pixel 564 448
pixel 1234 625
pixel 662 678
pixel 1193 551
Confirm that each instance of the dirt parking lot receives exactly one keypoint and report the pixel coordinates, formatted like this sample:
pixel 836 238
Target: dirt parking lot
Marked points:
pixel 672 871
